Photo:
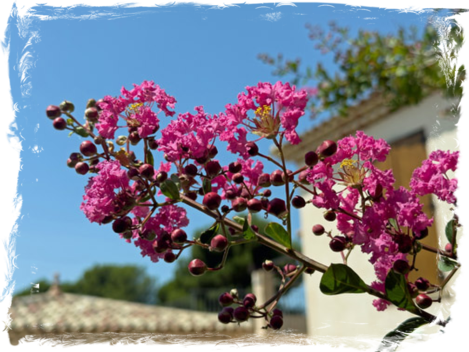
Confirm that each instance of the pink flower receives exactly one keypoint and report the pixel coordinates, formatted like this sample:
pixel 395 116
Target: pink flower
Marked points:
pixel 431 176
pixel 100 199
pixel 273 106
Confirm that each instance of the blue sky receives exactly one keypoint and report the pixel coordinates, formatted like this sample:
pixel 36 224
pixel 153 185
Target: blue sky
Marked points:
pixel 199 54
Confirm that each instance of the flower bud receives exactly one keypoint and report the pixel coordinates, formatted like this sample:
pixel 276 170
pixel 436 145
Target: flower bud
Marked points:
pixel 133 174
pixel 337 244
pixel 276 178
pixel 327 148
pixel 178 236
pixel 268 265
pixel 190 170
pixel 169 257
pixel 212 200
pixel 152 144
pixel 252 148
pixel 81 168
pixel 311 158
pixel 330 215
pixel 401 266
pixel 197 267
pixel 212 152
pixel 404 243
pixel 53 112
pixel 309 271
pixel 234 292
pixel 162 176
pixel 241 314
pixel 449 248
pixel 277 312
pixel 298 202
pixel 276 322
pixel 413 290
pixel 289 268
pixel 254 205
pixel 212 168
pixel 239 204
pixel 226 315
pixel 67 106
pixel 421 234
pixel 249 300
pixel 91 114
pixel 218 243
pixel 59 124
pixel 267 193
pixel 277 207
pixel 423 301
pixel 422 284
pixel 318 229
pixel 87 148
pixel 302 177
pixel 121 225
pixel 235 167
pixel 146 170
pixel 263 180
pixel 237 178
pixel 225 299
pixel 134 138
pixel 91 103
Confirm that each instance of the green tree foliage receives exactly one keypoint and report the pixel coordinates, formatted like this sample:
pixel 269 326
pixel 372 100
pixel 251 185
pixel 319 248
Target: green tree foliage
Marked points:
pixel 403 67
pixel 186 290
pixel 129 283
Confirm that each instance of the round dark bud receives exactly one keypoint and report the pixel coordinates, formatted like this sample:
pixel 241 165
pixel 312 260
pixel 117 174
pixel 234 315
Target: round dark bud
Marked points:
pixel 230 194
pixel 134 138
pixel 169 257
pixel 255 228
pixel 91 103
pixel 276 322
pixel 76 157
pixel 225 208
pixel 146 170
pixel 330 215
pixel 202 160
pixel 263 180
pixel 212 200
pixel 254 205
pixel 401 266
pixel 162 176
pixel 191 195
pixel 241 314
pixel 212 152
pixel 413 290
pixel 267 193
pixel 122 224
pixel 179 236
pixel 248 302
pixel 423 301
pixel 107 220
pixel 311 158
pixel 53 112
pixel 218 243
pixel 268 265
pixel 226 315
pixel 161 245
pixel 449 248
pixel 237 178
pixel 92 114
pixel 239 204
pixel 290 177
pixel 302 177
pixel 276 178
pixel 127 235
pixel 71 163
pixel 67 106
pixel 318 229
pixel 309 271
pixel 59 124
pixel 87 148
pixel 82 168
pixel 327 148
pixel 243 192
pixel 265 203
pixel 212 168
pixel 132 129
pixel 337 244
pixel 252 148
pixel 404 243
pixel 152 144
pixel 197 267
pixel 191 170
pixel 225 299
pixel 277 207
pixel 235 167
pixel 422 284
pixel 298 202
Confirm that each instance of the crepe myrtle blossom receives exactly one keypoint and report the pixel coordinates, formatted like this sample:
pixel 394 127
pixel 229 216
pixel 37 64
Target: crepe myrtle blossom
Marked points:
pixel 133 109
pixel 101 199
pixel 190 136
pixel 265 111
pixel 431 176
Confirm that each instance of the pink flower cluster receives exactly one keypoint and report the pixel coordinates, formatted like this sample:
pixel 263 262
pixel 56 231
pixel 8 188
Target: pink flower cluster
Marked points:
pixel 431 176
pixel 273 106
pixel 132 109
pixel 369 225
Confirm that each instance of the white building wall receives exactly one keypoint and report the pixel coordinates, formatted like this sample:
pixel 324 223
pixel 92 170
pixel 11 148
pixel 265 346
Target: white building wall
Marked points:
pixel 352 316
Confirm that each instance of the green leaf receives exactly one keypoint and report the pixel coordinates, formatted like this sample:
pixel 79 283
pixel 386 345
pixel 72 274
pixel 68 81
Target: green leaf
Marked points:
pixel 150 159
pixel 248 233
pixel 393 223
pixel 176 180
pixel 450 230
pixel 170 190
pixel 340 278
pixel 207 185
pixel 397 291
pixel 70 134
pixel 81 132
pixel 446 264
pixel 208 234
pixel 393 338
pixel 278 233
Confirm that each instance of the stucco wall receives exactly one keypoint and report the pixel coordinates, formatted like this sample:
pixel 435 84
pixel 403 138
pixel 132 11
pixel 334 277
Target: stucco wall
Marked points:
pixel 353 316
